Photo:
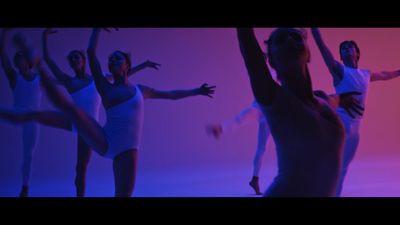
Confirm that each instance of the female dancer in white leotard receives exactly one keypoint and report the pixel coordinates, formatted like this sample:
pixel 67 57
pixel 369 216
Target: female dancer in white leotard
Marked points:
pixel 84 94
pixel 25 83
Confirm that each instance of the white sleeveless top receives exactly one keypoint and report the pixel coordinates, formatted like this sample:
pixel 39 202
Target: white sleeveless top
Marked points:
pixel 354 80
pixel 27 94
pixel 88 99
pixel 124 125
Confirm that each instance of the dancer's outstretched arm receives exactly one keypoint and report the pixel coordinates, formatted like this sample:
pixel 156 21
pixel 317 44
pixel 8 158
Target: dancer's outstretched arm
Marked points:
pixel 335 68
pixel 204 89
pixel 142 66
pixel 249 114
pixel 262 83
pixel 385 75
pixel 101 82
pixel 136 69
pixel 58 73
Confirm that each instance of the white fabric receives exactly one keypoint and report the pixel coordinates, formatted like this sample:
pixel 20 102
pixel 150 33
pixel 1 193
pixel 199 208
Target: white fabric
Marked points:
pixel 27 94
pixel 124 125
pixel 88 99
pixel 27 97
pixel 354 80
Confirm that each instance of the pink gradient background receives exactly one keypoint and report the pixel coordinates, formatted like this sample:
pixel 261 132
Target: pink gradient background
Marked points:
pixel 174 137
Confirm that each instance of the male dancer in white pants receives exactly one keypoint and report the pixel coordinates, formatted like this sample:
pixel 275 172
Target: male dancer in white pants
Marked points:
pixel 348 77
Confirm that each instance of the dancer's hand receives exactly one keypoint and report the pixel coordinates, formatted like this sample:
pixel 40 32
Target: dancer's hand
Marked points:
pixel 349 103
pixel 152 64
pixel 206 90
pixel 215 130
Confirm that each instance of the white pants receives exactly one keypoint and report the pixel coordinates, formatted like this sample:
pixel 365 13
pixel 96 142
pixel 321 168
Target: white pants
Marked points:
pixel 350 148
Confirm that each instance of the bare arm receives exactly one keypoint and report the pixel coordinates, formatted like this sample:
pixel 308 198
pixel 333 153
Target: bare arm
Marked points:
pixel 247 115
pixel 345 100
pixel 262 83
pixel 143 66
pixel 135 69
pixel 60 75
pixel 177 94
pixel 384 75
pixel 10 72
pixel 332 100
pixel 95 68
pixel 335 67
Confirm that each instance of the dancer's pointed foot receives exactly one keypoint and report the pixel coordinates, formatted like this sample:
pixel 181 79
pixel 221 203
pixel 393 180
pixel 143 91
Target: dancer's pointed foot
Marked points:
pixel 24 192
pixel 80 186
pixel 254 184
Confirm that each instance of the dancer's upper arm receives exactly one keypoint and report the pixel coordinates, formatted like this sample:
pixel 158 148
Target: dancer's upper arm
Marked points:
pixel 95 68
pixel 262 83
pixel 335 68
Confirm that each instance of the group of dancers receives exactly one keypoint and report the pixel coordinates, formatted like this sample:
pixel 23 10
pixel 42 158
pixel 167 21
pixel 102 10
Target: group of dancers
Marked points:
pixel 316 135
